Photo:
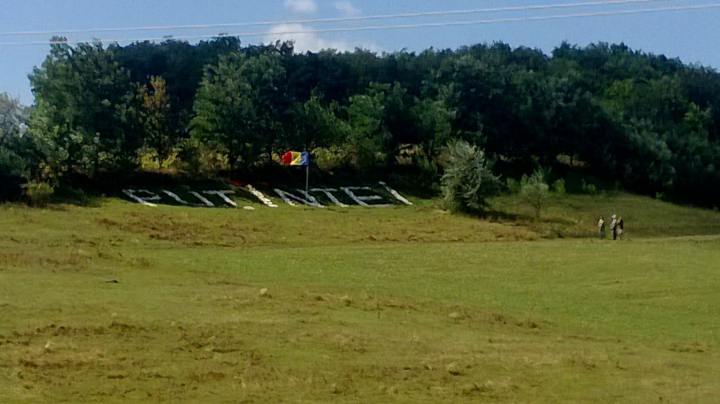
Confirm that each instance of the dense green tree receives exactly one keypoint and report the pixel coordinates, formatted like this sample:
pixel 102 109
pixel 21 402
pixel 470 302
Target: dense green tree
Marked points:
pixel 12 127
pixel 368 132
pixel 161 127
pixel 28 152
pixel 88 98
pixel 239 106
pixel 315 125
pixel 433 120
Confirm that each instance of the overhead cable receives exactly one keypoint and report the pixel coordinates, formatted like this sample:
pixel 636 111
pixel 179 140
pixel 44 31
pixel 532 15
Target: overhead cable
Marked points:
pixel 381 27
pixel 331 20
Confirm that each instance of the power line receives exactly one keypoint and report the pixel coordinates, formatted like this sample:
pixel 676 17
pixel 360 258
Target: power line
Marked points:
pixel 333 20
pixel 390 27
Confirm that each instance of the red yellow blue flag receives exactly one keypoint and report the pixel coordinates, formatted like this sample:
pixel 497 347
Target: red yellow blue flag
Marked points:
pixel 293 158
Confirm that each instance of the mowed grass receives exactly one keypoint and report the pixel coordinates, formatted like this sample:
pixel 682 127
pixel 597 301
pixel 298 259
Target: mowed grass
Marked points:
pixel 406 304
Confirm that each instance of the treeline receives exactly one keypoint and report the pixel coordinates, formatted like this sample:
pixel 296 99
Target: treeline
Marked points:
pixel 643 121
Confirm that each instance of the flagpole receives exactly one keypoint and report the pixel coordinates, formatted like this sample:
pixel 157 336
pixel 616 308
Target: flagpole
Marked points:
pixel 307 180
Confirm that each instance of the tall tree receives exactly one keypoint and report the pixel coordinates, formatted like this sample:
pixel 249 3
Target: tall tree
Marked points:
pixel 161 127
pixel 239 105
pixel 12 117
pixel 89 99
pixel 12 128
pixel 315 125
pixel 28 151
pixel 433 122
pixel 368 133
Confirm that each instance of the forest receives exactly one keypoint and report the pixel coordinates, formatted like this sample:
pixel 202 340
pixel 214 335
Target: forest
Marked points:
pixel 647 123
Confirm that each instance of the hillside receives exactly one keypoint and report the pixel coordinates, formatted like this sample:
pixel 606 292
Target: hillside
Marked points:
pixel 400 304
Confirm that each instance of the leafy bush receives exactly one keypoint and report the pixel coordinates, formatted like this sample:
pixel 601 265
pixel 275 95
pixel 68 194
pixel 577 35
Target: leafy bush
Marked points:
pixel 589 188
pixel 513 186
pixel 38 193
pixel 364 153
pixel 328 158
pixel 200 161
pixel 559 187
pixel 535 192
pixel 150 160
pixel 468 180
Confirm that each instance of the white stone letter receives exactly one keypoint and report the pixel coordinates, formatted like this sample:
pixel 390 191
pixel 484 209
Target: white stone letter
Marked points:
pixel 203 200
pixel 143 201
pixel 360 200
pixel 264 199
pixel 178 199
pixel 224 196
pixel 328 192
pixel 396 194
pixel 288 197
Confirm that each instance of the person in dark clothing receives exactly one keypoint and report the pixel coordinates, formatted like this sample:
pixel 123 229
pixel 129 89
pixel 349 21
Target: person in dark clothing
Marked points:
pixel 613 227
pixel 620 228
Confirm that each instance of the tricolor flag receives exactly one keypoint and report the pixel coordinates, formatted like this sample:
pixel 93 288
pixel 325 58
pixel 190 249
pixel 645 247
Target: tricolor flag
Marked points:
pixel 293 158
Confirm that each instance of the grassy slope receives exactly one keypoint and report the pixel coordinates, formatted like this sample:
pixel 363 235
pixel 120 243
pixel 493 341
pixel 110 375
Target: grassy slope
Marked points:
pixel 402 304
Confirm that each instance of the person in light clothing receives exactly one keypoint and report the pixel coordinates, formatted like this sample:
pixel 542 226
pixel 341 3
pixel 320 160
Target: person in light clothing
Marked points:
pixel 620 228
pixel 601 227
pixel 613 226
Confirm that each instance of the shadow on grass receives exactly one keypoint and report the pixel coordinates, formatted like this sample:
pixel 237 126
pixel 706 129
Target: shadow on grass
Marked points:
pixel 501 216
pixel 557 220
pixel 496 216
pixel 546 227
pixel 76 197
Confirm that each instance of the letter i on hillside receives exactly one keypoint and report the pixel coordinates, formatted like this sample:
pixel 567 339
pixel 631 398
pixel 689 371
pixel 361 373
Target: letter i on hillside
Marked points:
pixel 294 158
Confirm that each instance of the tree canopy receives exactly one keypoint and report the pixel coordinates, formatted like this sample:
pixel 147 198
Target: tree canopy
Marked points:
pixel 645 121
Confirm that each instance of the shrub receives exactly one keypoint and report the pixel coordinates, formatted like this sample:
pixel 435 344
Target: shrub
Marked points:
pixel 364 153
pixel 468 180
pixel 513 186
pixel 559 187
pixel 328 158
pixel 535 192
pixel 38 193
pixel 150 160
pixel 589 188
pixel 201 161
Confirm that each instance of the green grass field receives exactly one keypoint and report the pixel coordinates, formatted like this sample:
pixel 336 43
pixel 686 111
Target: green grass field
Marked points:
pixel 405 304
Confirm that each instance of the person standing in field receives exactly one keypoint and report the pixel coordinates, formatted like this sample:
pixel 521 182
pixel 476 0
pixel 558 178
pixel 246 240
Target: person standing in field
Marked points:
pixel 613 226
pixel 620 229
pixel 601 227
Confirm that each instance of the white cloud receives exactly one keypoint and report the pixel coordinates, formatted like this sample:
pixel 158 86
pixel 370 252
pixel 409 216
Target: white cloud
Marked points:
pixel 310 41
pixel 301 6
pixel 346 8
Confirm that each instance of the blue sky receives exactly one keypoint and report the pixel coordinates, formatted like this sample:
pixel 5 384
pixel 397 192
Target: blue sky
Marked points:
pixel 691 35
